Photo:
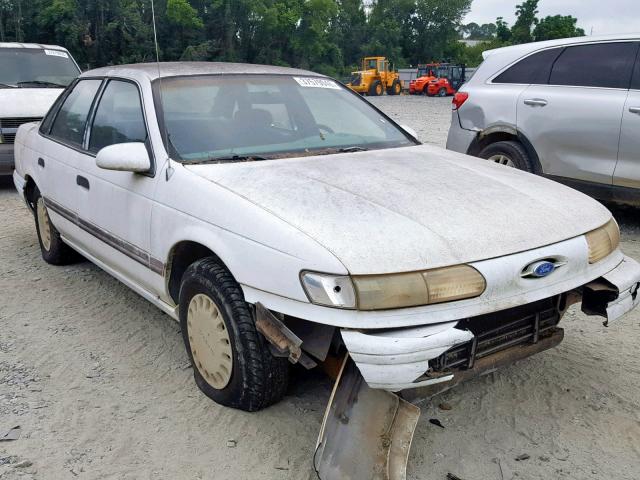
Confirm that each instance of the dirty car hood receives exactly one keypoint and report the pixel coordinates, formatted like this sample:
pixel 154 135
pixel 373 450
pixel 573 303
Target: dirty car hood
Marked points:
pixel 411 208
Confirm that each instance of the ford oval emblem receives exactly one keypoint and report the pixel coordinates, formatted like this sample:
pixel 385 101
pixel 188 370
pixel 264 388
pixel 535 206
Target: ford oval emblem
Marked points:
pixel 541 269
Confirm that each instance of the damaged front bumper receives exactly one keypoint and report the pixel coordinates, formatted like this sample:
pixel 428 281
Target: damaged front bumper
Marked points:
pixel 408 358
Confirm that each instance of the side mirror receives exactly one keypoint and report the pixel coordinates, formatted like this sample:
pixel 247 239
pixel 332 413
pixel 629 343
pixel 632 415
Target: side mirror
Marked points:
pixel 124 157
pixel 409 130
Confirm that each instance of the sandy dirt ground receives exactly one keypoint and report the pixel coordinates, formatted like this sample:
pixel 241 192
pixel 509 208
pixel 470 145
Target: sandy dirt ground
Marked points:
pixel 100 384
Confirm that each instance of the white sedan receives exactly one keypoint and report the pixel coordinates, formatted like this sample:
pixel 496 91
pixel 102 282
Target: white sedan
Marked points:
pixel 281 218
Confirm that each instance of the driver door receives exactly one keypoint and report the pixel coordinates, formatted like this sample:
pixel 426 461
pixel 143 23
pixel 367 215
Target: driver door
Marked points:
pixel 116 204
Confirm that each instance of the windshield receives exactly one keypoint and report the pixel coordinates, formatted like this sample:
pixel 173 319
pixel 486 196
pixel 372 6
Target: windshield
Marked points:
pixel 36 68
pixel 232 117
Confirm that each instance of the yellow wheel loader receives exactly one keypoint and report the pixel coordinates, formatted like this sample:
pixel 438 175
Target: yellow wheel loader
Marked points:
pixel 376 77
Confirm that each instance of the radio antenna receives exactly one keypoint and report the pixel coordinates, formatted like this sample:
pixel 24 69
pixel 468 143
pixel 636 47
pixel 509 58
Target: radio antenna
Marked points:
pixel 166 133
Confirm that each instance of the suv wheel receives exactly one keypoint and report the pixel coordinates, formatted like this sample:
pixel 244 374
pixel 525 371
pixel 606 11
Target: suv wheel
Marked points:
pixel 232 363
pixel 509 153
pixel 54 250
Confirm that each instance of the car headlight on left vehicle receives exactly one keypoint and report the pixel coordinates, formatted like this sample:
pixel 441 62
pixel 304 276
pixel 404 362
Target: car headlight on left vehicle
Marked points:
pixel 398 290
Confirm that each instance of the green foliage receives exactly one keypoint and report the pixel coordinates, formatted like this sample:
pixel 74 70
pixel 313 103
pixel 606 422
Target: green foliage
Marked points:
pixel 329 36
pixel 525 21
pixel 557 26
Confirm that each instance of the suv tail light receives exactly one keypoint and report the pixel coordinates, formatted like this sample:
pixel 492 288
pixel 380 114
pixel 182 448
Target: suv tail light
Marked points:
pixel 458 99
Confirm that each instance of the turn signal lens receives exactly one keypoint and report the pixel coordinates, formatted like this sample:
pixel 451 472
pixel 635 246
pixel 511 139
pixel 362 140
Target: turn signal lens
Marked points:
pixel 603 241
pixel 329 290
pixel 381 292
pixel 458 99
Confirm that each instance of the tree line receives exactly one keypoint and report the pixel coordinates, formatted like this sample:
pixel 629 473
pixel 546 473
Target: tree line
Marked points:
pixel 328 36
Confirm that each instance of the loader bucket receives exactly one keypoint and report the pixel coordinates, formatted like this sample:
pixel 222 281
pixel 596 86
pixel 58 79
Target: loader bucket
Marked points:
pixel 366 433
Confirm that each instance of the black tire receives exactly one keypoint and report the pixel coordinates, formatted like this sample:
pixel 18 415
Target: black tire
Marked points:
pixel 258 379
pixel 425 90
pixel 510 150
pixel 442 92
pixel 54 250
pixel 373 90
pixel 394 90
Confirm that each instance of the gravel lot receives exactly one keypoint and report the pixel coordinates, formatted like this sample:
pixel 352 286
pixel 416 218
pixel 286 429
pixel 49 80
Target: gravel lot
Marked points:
pixel 98 380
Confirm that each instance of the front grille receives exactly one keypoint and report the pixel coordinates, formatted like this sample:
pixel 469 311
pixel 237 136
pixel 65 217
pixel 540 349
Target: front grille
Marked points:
pixel 9 126
pixel 16 122
pixel 499 331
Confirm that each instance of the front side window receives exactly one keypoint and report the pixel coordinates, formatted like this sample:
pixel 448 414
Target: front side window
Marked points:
pixel 36 68
pixel 532 70
pixel 605 65
pixel 71 120
pixel 118 118
pixel 219 117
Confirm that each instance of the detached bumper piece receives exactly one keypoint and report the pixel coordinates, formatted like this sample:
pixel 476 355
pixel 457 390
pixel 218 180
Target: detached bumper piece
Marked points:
pixel 366 433
pixel 411 358
pixel 614 294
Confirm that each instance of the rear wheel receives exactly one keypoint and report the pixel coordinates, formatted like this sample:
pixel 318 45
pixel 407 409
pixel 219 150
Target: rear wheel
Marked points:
pixel 232 363
pixel 54 250
pixel 442 92
pixel 508 153
pixel 376 89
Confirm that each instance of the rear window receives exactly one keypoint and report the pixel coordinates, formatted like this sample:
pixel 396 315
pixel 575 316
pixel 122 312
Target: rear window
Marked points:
pixel 535 69
pixel 605 65
pixel 635 82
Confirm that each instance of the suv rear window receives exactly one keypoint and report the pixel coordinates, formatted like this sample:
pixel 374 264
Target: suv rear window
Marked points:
pixel 534 69
pixel 604 65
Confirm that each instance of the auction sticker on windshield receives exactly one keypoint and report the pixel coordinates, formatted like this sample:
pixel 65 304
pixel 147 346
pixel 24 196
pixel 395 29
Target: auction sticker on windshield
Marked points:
pixel 56 53
pixel 316 82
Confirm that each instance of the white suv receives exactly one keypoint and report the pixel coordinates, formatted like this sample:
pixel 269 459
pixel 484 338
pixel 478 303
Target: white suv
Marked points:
pixel 568 109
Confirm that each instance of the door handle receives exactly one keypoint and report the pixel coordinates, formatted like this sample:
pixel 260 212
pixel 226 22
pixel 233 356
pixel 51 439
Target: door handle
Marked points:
pixel 536 102
pixel 41 162
pixel 82 181
pixel 635 110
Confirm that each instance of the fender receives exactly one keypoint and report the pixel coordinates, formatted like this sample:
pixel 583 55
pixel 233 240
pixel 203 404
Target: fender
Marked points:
pixel 503 132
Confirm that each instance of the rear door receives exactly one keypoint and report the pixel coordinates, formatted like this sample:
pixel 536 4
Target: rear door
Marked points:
pixel 573 118
pixel 627 172
pixel 59 151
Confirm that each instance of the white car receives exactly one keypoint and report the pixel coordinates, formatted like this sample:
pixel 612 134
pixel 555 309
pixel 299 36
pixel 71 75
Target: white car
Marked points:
pixel 243 199
pixel 32 76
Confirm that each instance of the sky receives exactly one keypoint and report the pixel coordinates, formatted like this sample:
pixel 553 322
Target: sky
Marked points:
pixel 608 17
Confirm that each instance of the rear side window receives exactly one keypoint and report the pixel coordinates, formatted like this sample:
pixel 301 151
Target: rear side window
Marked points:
pixel 605 65
pixel 534 69
pixel 71 120
pixel 118 118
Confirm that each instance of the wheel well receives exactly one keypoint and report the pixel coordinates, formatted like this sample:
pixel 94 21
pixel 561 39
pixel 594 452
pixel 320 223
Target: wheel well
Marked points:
pixel 483 141
pixel 181 256
pixel 29 192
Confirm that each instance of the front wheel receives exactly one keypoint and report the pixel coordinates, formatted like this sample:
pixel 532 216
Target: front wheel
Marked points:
pixel 508 153
pixel 232 363
pixel 376 89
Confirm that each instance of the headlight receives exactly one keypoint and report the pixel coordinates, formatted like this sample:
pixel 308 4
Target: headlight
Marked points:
pixel 329 290
pixel 401 290
pixel 603 241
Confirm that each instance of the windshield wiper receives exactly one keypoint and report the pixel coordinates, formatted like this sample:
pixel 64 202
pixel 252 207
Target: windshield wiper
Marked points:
pixel 40 82
pixel 227 159
pixel 355 148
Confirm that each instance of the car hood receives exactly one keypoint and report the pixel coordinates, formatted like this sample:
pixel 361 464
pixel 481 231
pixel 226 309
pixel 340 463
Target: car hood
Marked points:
pixel 27 102
pixel 411 208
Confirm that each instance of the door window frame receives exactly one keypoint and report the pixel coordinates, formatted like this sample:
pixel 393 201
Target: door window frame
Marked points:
pixel 84 148
pixel 491 79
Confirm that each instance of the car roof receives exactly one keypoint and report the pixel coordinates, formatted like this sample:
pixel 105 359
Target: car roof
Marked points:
pixel 39 46
pixel 151 71
pixel 525 48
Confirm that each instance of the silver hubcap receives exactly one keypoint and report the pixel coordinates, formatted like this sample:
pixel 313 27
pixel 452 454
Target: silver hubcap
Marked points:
pixel 502 160
pixel 44 224
pixel 209 340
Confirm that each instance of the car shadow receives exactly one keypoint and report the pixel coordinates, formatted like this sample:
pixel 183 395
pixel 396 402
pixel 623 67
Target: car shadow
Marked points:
pixel 6 183
pixel 628 217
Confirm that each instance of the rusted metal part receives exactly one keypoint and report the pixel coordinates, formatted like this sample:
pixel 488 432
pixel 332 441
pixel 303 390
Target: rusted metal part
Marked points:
pixel 316 337
pixel 366 433
pixel 283 340
pixel 487 365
